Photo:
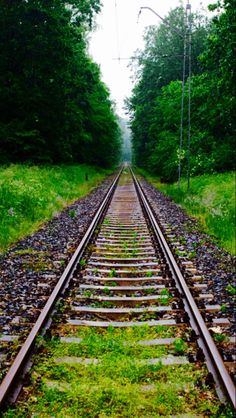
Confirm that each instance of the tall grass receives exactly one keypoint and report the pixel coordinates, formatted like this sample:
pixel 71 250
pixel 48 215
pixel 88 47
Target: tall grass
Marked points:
pixel 211 200
pixel 32 195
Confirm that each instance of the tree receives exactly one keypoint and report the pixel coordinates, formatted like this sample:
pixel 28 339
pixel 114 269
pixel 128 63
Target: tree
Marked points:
pixel 219 62
pixel 49 85
pixel 160 63
pixel 155 103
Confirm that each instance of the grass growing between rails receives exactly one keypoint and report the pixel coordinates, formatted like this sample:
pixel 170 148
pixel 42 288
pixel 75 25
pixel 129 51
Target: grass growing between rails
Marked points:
pixel 119 384
pixel 211 200
pixel 32 195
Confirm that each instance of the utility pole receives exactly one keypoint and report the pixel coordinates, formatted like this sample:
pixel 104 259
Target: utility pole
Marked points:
pixel 182 102
pixel 187 33
pixel 189 18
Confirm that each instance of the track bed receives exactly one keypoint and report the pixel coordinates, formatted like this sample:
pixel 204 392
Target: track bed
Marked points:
pixel 125 340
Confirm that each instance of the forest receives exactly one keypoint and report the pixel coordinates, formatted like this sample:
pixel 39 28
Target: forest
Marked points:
pixel 54 108
pixel 155 105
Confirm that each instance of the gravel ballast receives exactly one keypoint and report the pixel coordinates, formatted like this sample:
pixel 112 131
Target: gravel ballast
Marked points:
pixel 32 267
pixel 211 261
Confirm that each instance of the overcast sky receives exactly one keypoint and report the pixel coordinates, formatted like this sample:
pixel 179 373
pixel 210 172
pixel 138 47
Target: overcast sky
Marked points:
pixel 118 35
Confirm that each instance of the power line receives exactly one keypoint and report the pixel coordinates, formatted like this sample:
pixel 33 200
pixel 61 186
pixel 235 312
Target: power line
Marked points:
pixel 117 29
pixel 160 56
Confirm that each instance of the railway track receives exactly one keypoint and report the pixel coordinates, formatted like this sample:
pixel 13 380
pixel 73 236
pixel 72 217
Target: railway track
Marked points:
pixel 123 275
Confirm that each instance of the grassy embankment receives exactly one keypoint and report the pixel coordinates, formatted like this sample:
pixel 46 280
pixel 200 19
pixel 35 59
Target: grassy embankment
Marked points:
pixel 31 195
pixel 211 200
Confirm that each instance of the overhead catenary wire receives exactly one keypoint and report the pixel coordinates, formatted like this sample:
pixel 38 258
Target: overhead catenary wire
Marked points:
pixel 159 56
pixel 117 30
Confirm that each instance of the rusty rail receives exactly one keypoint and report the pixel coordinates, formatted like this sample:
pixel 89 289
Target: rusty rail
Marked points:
pixel 14 374
pixel 224 385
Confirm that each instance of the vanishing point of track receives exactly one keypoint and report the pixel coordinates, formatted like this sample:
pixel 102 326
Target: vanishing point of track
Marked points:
pixel 135 280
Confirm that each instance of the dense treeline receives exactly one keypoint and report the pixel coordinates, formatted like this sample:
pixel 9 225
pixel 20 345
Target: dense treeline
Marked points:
pixel 53 105
pixel 155 105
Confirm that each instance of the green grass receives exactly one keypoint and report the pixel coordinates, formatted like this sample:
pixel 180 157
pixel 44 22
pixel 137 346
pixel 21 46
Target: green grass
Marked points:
pixel 121 384
pixel 30 196
pixel 211 200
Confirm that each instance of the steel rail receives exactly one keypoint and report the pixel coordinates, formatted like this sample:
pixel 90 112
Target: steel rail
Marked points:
pixel 224 385
pixel 10 380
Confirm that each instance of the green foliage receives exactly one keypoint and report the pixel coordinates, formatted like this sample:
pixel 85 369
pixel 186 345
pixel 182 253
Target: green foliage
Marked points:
pixel 155 105
pixel 223 308
pixel 72 213
pixel 154 109
pixel 220 338
pixel 53 105
pixel 82 263
pixel 231 289
pixel 32 195
pixel 180 346
pixel 120 384
pixel 211 199
pixel 112 273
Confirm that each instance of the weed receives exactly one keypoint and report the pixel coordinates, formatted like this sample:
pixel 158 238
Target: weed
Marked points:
pixel 149 291
pixel 28 251
pixel 165 292
pixel 106 304
pixel 82 263
pixel 220 338
pixel 87 293
pixel 102 304
pixel 146 316
pixel 106 291
pixel 180 346
pixel 231 290
pixel 223 308
pixel 149 273
pixel 60 307
pixel 180 253
pixel 72 213
pixel 163 301
pixel 192 254
pixel 114 284
pixel 165 297
pixel 121 384
pixel 112 273
pixel 38 265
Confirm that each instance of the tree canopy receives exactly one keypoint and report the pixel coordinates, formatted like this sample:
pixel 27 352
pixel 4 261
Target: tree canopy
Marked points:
pixel 53 105
pixel 155 105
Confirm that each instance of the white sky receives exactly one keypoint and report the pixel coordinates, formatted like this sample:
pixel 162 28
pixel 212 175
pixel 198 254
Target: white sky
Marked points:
pixel 119 35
